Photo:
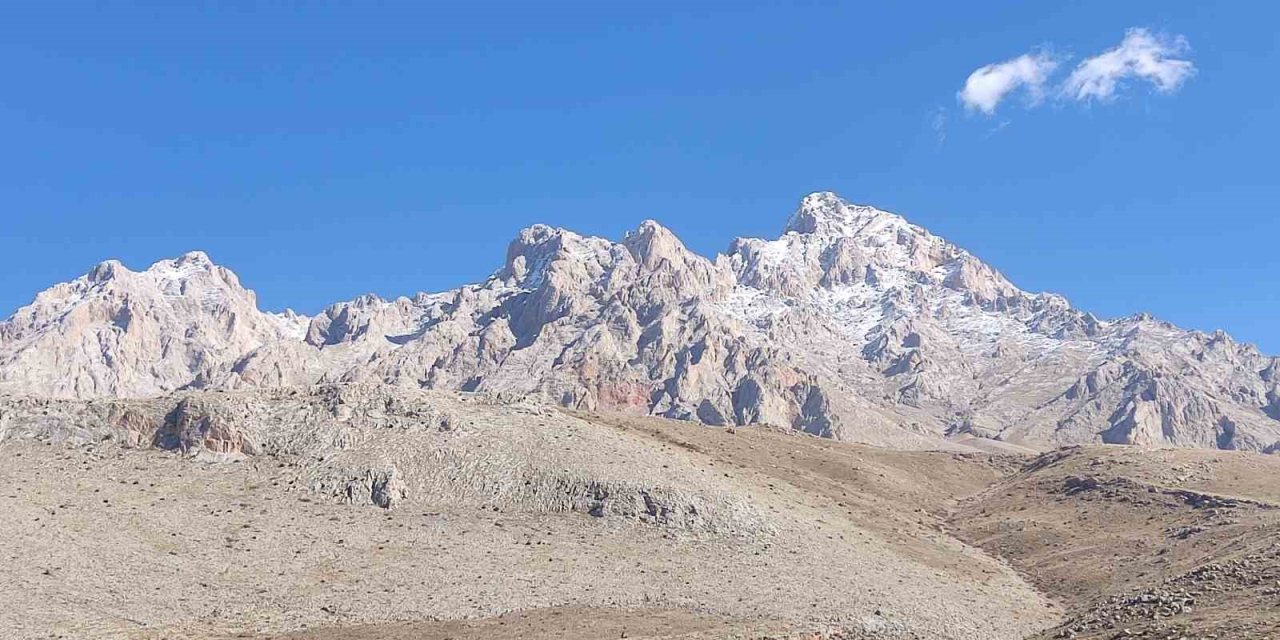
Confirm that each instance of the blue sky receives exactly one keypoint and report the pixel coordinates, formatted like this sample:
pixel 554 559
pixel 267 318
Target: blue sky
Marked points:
pixel 327 152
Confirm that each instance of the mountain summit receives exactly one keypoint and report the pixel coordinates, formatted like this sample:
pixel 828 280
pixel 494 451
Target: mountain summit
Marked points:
pixel 853 324
pixel 117 332
pixel 824 212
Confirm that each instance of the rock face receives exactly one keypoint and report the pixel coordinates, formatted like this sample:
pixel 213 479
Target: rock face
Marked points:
pixel 853 324
pixel 116 332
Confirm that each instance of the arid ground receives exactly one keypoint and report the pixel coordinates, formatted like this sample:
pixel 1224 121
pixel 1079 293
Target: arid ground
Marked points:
pixel 531 522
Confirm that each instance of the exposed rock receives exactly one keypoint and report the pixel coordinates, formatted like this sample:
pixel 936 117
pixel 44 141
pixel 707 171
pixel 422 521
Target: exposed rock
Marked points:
pixel 196 424
pixel 382 487
pixel 854 324
pixel 115 332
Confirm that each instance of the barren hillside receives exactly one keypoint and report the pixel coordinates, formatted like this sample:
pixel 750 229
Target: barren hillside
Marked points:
pixel 368 512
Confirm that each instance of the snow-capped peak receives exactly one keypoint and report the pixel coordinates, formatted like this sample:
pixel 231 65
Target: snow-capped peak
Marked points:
pixel 182 267
pixel 825 213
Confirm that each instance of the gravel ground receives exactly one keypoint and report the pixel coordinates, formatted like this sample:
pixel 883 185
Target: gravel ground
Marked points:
pixel 792 534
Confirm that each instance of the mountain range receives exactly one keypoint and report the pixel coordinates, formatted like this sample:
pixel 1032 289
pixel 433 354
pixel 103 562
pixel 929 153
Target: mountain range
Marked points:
pixel 853 324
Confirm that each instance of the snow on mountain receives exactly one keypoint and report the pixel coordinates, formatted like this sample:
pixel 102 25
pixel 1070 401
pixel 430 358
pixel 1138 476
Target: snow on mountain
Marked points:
pixel 853 324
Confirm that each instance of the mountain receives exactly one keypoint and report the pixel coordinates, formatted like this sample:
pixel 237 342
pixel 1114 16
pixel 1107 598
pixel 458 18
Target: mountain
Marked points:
pixel 853 324
pixel 116 332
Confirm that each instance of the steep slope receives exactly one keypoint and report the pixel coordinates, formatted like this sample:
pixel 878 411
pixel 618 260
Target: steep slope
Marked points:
pixel 854 324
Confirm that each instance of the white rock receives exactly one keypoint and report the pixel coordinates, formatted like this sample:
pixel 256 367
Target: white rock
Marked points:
pixel 854 324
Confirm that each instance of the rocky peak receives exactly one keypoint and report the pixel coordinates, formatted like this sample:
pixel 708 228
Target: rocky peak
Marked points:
pixel 197 258
pixel 825 213
pixel 664 263
pixel 540 253
pixel 651 244
pixel 104 271
pixel 114 331
pixel 188 265
pixel 194 274
pixel 191 279
pixel 531 249
pixel 349 321
pixel 830 243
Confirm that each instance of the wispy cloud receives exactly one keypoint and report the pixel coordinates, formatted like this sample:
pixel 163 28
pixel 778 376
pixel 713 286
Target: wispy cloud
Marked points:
pixel 1142 55
pixel 987 87
pixel 998 128
pixel 938 122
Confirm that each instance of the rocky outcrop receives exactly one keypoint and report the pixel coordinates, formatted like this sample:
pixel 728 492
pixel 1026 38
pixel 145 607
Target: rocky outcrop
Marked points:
pixel 853 324
pixel 196 424
pixel 380 487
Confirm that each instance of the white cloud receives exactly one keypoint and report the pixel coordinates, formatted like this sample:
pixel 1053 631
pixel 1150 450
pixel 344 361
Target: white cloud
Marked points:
pixel 1141 55
pixel 988 86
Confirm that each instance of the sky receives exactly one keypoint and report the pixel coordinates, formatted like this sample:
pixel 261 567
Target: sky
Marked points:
pixel 1119 153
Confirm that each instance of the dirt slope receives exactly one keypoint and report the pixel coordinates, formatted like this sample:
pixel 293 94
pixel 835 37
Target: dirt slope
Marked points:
pixel 1166 543
pixel 525 521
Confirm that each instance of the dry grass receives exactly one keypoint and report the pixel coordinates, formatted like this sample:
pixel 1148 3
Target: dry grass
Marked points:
pixel 1099 528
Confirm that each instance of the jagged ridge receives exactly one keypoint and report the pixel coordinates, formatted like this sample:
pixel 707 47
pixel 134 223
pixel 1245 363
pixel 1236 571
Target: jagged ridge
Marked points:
pixel 853 324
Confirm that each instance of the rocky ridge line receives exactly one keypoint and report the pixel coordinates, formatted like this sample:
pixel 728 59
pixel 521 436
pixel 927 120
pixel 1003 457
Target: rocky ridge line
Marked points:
pixel 854 324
